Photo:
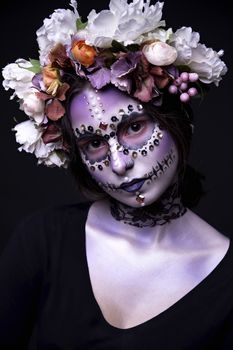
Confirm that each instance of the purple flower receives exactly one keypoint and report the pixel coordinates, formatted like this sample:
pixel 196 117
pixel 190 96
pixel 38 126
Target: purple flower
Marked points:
pixel 100 77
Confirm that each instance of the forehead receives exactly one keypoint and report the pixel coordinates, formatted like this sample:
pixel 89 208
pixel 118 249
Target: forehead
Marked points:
pixel 95 107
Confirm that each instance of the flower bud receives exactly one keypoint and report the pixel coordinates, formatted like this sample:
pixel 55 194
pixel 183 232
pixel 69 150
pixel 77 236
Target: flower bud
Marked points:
pixel 83 53
pixel 51 79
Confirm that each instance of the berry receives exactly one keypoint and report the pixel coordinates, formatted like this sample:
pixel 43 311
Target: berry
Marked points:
pixel 184 97
pixel 193 77
pixel 184 76
pixel 183 86
pixel 173 89
pixel 192 91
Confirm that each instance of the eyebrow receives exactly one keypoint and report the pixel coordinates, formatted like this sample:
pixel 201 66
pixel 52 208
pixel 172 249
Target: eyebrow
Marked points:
pixel 126 118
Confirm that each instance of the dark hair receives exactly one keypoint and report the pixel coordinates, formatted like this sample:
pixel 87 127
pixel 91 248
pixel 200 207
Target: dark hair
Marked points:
pixel 173 116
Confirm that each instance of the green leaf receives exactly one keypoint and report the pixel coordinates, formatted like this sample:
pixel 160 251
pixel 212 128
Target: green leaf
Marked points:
pixel 36 68
pixel 202 89
pixel 183 68
pixel 116 46
pixel 133 47
pixel 80 25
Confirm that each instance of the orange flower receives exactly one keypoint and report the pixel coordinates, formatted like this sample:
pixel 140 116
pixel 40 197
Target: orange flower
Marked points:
pixel 51 79
pixel 83 53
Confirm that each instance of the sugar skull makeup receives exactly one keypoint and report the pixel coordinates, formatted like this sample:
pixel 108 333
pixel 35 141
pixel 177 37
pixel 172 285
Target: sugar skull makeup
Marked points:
pixel 124 149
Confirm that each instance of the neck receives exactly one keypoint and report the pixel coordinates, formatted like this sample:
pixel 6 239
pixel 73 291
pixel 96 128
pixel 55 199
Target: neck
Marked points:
pixel 166 209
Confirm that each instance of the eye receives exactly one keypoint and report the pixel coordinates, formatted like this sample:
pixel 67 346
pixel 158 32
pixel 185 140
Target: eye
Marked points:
pixel 135 127
pixel 94 144
pixel 137 132
pixel 95 149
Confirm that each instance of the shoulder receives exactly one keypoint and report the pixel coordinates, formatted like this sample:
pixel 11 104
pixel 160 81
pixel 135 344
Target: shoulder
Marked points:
pixel 51 221
pixel 206 238
pixel 56 214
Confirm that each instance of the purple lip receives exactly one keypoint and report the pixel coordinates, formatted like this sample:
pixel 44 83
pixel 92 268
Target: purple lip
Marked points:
pixel 132 186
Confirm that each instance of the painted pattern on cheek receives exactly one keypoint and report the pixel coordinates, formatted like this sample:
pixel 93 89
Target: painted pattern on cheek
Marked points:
pixel 156 172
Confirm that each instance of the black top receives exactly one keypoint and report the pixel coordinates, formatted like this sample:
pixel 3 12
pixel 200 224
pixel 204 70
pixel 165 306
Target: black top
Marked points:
pixel 46 299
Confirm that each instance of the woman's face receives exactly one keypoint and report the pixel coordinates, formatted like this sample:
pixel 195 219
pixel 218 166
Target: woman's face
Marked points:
pixel 123 148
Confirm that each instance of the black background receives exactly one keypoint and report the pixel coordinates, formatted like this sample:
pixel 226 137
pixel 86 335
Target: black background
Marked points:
pixel 26 187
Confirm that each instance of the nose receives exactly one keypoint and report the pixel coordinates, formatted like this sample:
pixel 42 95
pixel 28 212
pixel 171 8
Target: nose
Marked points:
pixel 120 162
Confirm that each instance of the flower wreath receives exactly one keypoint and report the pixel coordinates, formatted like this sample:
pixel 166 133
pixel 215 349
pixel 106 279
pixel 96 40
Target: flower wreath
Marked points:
pixel 125 46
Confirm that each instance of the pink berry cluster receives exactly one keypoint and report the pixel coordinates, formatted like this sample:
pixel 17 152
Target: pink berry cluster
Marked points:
pixel 181 85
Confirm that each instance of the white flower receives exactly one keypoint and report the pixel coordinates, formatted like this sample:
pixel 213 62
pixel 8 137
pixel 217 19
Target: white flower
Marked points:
pixel 33 106
pixel 123 22
pixel 57 29
pixel 207 64
pixel 202 60
pixel 17 77
pixel 55 158
pixel 159 53
pixel 30 137
pixel 184 40
pixel 158 34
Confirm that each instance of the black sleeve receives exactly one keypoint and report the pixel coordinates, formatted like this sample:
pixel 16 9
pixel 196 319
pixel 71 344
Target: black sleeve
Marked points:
pixel 22 266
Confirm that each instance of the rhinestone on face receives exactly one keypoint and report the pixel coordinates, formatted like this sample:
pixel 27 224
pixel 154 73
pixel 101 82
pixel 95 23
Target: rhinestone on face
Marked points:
pixel 121 112
pixel 160 127
pixel 106 136
pixel 134 154
pixel 119 148
pixel 144 153
pixel 130 108
pixel 103 125
pixel 140 198
pixel 156 142
pixel 82 127
pixel 112 134
pixel 106 162
pixel 126 151
pixel 151 147
pixel 114 119
pixel 113 126
pixel 140 107
pixel 160 135
pixel 90 128
pixel 100 167
pixel 98 132
pixel 92 168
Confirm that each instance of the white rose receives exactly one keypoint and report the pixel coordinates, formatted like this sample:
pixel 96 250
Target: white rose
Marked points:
pixel 17 77
pixel 33 106
pixel 202 60
pixel 55 158
pixel 159 53
pixel 123 22
pixel 57 29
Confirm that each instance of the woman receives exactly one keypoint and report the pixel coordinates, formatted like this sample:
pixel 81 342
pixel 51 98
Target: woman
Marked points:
pixel 135 268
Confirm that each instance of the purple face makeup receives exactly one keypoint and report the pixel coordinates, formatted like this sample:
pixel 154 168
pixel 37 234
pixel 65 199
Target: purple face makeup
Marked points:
pixel 124 149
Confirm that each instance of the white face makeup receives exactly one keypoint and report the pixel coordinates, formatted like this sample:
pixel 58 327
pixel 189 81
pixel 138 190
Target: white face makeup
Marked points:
pixel 124 149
